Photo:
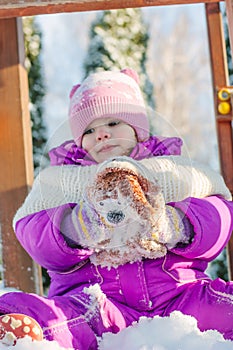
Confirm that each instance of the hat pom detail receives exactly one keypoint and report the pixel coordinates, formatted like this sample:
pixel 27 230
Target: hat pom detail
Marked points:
pixel 74 89
pixel 131 73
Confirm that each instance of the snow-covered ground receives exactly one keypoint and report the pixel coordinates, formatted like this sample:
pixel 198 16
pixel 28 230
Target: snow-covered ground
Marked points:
pixel 177 332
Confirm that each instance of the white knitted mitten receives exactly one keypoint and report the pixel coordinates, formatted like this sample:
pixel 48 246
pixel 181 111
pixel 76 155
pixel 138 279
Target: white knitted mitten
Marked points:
pixel 134 220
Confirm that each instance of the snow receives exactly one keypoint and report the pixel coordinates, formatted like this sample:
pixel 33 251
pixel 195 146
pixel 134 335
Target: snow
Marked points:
pixel 177 332
pixel 26 344
pixel 169 333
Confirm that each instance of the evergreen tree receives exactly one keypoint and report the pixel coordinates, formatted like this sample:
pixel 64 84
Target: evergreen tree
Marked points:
pixel 32 42
pixel 119 39
pixel 219 266
pixel 228 49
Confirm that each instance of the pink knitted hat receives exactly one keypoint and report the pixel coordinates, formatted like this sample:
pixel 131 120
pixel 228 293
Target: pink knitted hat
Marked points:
pixel 108 94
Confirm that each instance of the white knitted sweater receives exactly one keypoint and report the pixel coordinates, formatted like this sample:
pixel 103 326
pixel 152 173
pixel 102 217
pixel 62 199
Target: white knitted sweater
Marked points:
pixel 177 176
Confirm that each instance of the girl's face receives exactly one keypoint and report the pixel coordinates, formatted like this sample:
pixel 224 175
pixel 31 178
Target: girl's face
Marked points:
pixel 108 137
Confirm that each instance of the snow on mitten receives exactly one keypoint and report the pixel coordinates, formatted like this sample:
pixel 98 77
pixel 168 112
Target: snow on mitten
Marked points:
pixel 132 209
pixel 86 227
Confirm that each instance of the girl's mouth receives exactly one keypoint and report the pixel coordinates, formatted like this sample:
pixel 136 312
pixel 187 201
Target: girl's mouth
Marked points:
pixel 106 148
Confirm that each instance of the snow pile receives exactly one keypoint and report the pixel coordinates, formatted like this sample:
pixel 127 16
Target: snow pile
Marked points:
pixel 27 344
pixel 177 332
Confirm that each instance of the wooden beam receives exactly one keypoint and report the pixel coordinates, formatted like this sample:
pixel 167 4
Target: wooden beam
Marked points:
pixel 19 8
pixel 16 173
pixel 220 78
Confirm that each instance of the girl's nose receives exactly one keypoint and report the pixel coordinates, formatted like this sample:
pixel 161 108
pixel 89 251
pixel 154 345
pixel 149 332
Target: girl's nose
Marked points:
pixel 102 134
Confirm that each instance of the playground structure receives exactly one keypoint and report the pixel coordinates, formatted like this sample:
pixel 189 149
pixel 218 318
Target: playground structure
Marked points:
pixel 16 175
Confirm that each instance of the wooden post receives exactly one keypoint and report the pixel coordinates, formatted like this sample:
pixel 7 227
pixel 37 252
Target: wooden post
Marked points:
pixel 16 174
pixel 220 78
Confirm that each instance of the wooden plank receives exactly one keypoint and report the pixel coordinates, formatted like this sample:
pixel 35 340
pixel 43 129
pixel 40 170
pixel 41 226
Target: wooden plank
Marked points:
pixel 19 8
pixel 16 173
pixel 220 78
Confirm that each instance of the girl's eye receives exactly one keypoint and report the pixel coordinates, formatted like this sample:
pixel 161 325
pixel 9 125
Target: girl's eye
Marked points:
pixel 114 123
pixel 89 131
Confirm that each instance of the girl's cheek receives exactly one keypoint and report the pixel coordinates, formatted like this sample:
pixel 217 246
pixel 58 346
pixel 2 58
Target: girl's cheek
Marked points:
pixel 84 142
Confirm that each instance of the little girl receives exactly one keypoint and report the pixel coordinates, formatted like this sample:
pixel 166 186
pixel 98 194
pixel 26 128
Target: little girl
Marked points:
pixel 97 220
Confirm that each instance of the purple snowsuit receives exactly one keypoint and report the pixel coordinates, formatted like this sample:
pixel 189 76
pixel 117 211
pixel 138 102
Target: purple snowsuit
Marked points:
pixel 85 300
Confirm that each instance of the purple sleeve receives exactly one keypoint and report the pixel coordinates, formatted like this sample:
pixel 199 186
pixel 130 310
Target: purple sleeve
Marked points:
pixel 212 220
pixel 41 237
